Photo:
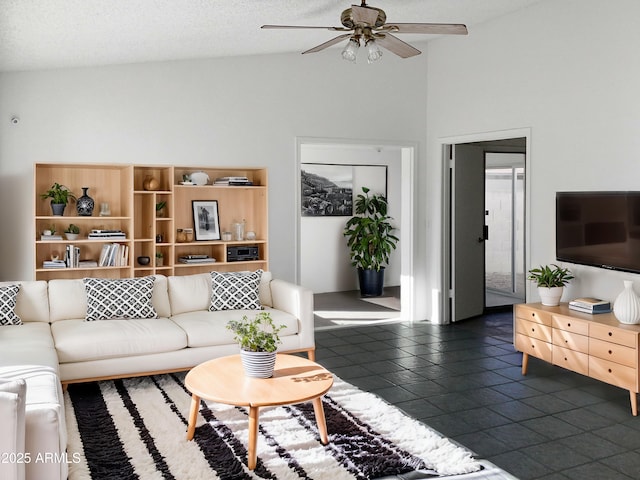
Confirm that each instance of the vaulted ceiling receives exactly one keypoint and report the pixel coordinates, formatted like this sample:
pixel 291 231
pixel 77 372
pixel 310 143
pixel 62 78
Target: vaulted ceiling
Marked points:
pixel 45 34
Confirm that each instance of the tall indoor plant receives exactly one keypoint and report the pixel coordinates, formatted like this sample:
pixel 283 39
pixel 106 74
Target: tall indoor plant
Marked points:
pixel 370 241
pixel 550 280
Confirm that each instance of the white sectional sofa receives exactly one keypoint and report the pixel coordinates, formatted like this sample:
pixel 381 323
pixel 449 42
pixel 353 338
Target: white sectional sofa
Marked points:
pixel 55 345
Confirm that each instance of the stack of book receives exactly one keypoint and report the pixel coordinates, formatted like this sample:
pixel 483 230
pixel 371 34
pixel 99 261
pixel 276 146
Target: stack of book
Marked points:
pixel 106 234
pixel 51 238
pixel 190 259
pixel 590 305
pixel 72 256
pixel 232 181
pixel 54 264
pixel 114 255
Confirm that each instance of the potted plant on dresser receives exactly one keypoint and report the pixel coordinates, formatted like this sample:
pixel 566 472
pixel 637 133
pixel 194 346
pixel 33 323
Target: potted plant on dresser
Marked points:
pixel 258 340
pixel 551 280
pixel 370 241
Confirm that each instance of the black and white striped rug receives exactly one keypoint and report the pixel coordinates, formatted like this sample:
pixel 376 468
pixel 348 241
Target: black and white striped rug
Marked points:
pixel 135 428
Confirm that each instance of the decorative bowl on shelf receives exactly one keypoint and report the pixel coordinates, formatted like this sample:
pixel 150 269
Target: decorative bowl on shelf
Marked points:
pixel 199 178
pixel 71 236
pixel 143 260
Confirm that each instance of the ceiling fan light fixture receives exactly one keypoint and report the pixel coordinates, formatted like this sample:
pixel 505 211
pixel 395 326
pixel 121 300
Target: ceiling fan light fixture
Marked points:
pixel 373 51
pixel 351 50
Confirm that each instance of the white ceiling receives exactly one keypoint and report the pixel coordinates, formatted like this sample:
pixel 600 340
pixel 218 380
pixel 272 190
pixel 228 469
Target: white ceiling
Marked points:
pixel 44 34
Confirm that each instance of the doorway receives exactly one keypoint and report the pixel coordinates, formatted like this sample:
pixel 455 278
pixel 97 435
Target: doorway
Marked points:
pixel 322 254
pixel 484 230
pixel 504 220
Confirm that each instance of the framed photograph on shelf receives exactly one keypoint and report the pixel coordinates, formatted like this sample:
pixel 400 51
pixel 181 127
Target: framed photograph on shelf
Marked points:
pixel 205 220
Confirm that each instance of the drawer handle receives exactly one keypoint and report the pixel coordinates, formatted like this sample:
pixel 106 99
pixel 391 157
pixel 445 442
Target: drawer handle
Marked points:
pixel 566 359
pixel 533 315
pixel 533 346
pixel 566 341
pixel 611 334
pixel 610 352
pixel 610 371
pixel 568 324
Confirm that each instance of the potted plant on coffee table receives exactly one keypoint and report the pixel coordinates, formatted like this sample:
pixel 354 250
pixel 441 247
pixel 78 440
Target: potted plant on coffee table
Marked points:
pixel 60 196
pixel 550 280
pixel 258 340
pixel 370 240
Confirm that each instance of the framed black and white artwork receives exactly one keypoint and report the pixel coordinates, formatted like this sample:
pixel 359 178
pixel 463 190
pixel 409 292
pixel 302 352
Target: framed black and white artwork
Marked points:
pixel 205 220
pixel 326 190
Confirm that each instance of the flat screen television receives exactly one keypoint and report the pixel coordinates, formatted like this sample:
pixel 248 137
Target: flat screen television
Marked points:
pixel 601 229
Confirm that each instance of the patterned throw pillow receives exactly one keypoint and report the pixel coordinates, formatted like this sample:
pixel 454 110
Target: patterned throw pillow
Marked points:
pixel 8 296
pixel 109 299
pixel 235 291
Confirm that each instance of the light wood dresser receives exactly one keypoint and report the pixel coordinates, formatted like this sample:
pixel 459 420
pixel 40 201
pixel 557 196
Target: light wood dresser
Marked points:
pixel 597 346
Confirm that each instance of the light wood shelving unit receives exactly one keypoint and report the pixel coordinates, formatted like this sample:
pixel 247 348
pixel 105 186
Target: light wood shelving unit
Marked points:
pixel 133 210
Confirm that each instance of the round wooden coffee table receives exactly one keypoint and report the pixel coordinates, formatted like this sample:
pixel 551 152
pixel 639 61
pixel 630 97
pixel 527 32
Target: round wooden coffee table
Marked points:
pixel 295 380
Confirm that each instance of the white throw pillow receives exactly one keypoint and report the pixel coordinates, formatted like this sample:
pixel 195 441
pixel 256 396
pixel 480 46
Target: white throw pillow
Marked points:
pixel 120 298
pixel 8 296
pixel 235 291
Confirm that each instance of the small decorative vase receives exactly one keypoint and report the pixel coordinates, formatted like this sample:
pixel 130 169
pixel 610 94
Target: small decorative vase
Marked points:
pixel 58 209
pixel 151 183
pixel 550 296
pixel 626 307
pixel 85 204
pixel 258 364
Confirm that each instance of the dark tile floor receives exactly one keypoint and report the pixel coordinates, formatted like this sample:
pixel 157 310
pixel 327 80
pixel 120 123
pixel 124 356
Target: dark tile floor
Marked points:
pixel 465 381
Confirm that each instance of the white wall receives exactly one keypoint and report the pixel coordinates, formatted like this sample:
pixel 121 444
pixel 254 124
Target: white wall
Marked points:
pixel 569 71
pixel 230 111
pixel 324 257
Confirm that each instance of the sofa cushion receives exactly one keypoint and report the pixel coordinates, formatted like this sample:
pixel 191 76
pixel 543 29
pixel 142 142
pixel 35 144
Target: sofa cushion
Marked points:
pixel 205 329
pixel 235 291
pixel 30 343
pixel 109 299
pixel 61 290
pixel 190 293
pixel 12 418
pixel 78 341
pixel 45 428
pixel 8 298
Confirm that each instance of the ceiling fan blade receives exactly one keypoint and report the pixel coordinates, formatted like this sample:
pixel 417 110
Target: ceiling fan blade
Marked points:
pixel 395 45
pixel 364 15
pixel 432 28
pixel 290 27
pixel 324 45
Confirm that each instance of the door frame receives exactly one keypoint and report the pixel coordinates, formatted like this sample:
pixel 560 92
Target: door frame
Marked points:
pixel 409 154
pixel 446 144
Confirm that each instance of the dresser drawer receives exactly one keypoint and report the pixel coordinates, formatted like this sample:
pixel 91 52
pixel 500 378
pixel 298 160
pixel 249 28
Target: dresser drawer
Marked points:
pixel 570 324
pixel 614 352
pixel 571 360
pixel 533 315
pixel 613 373
pixel 533 346
pixel 613 334
pixel 573 341
pixel 533 329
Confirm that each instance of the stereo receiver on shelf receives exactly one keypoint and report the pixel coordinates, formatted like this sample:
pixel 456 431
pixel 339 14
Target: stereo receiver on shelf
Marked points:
pixel 239 254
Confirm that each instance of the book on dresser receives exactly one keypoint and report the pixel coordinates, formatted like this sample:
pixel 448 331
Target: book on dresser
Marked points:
pixel 590 305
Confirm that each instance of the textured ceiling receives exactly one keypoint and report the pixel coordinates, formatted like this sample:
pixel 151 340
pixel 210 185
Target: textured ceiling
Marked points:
pixel 44 34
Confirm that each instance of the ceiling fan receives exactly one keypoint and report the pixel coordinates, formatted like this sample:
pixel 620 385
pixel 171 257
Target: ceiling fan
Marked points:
pixel 368 24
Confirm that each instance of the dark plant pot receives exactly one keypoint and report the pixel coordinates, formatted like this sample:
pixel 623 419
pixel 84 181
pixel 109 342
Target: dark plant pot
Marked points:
pixel 58 209
pixel 371 282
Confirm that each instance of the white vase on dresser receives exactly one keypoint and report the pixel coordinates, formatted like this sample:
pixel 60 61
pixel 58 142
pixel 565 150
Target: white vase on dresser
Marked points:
pixel 626 307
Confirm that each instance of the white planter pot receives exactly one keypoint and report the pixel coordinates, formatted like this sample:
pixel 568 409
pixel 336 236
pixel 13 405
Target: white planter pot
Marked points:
pixel 550 296
pixel 258 364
